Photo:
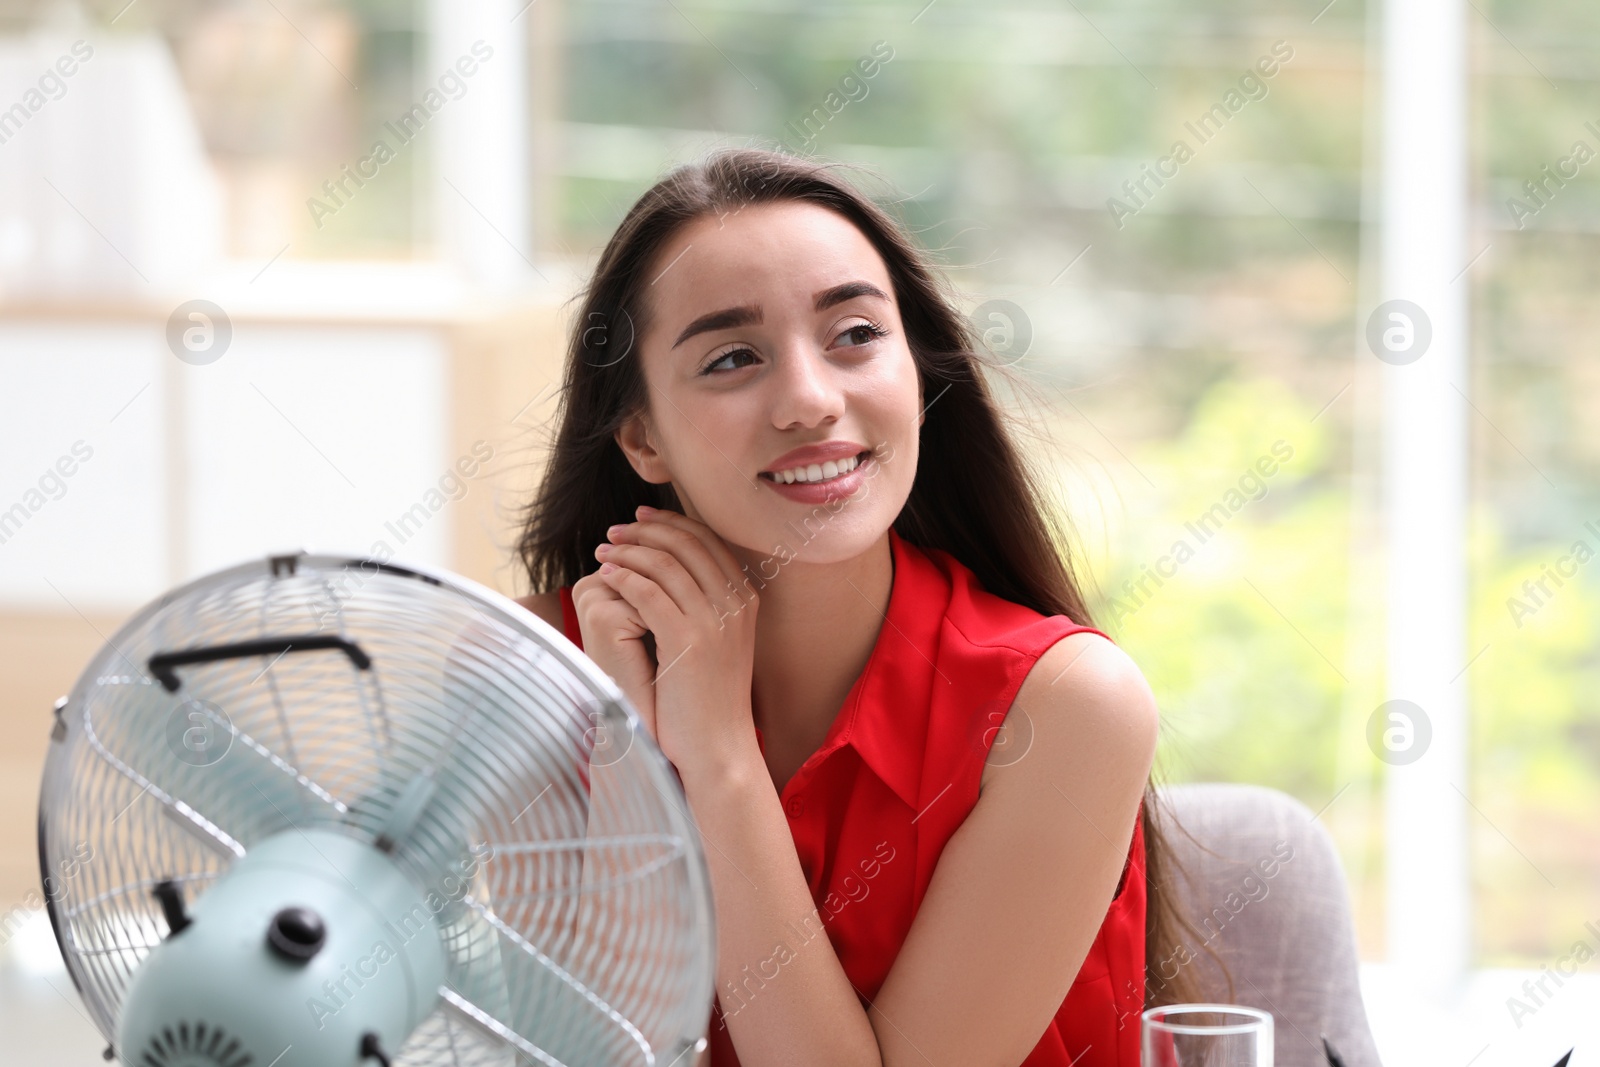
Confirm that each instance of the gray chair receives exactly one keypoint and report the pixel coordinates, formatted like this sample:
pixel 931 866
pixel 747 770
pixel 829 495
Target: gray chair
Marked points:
pixel 1264 887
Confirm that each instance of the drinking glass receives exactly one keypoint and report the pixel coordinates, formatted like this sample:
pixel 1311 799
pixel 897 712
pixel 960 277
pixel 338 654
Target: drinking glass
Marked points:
pixel 1206 1035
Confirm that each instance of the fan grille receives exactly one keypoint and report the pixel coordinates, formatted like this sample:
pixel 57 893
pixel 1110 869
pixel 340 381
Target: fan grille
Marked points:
pixel 550 833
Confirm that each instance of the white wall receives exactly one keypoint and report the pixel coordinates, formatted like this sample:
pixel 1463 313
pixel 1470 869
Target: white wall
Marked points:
pixel 300 436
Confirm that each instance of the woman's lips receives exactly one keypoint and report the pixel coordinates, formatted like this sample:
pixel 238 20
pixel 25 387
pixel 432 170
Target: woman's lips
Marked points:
pixel 821 492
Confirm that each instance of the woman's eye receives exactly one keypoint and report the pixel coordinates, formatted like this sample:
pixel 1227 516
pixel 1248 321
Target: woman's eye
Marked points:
pixel 863 333
pixel 727 355
pixel 868 331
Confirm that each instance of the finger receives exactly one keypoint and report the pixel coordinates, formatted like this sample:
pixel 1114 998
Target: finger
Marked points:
pixel 607 601
pixel 706 541
pixel 613 628
pixel 605 611
pixel 682 568
pixel 674 560
pixel 716 548
pixel 654 604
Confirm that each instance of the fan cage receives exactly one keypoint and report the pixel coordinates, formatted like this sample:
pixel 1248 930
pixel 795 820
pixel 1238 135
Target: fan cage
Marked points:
pixel 520 788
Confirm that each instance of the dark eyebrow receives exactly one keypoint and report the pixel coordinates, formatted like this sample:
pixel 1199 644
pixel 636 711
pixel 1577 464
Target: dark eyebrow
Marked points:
pixel 728 318
pixel 725 319
pixel 848 291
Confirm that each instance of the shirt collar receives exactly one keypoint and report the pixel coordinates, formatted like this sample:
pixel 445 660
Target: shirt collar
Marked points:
pixel 885 718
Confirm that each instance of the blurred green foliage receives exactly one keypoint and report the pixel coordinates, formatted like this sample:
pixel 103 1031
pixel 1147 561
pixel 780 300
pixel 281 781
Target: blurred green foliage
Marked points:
pixel 1264 675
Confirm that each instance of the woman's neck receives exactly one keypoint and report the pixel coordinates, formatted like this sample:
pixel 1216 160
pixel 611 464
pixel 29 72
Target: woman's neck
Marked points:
pixel 815 629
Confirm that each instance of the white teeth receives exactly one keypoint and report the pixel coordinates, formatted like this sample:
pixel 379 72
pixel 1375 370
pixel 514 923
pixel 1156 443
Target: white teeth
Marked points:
pixel 817 472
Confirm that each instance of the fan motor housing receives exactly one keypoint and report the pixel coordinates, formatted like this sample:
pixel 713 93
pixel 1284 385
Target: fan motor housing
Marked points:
pixel 377 966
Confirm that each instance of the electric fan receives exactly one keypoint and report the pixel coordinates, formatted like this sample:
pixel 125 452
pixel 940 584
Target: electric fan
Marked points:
pixel 315 811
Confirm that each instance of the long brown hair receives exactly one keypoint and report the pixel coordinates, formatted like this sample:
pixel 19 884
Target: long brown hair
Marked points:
pixel 983 507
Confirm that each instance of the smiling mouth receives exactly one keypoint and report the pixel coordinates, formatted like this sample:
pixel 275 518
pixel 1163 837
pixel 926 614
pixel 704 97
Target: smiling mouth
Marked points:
pixel 820 477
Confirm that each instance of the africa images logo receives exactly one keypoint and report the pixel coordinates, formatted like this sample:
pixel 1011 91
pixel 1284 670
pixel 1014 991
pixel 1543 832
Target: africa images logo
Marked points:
pixel 451 85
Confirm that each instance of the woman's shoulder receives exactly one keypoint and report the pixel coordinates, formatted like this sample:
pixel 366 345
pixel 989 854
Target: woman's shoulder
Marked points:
pixel 1084 698
pixel 547 606
pixel 988 619
pixel 1090 688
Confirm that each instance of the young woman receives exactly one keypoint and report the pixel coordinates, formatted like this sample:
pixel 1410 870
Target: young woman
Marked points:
pixel 784 514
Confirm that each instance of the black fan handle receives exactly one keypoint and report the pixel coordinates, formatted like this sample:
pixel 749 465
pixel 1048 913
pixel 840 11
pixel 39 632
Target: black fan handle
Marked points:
pixel 163 664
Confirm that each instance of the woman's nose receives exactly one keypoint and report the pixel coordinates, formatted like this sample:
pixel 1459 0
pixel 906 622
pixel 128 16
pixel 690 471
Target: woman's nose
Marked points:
pixel 809 389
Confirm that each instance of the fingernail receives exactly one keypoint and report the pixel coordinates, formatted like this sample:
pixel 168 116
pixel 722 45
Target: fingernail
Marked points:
pixel 601 550
pixel 611 531
pixel 607 568
pixel 646 509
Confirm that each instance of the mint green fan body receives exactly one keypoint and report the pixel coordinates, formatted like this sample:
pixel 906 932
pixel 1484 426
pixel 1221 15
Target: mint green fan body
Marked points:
pixel 383 955
pixel 322 811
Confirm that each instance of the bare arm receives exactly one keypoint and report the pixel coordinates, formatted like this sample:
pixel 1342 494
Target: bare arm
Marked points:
pixel 783 1002
pixel 1022 887
pixel 1016 900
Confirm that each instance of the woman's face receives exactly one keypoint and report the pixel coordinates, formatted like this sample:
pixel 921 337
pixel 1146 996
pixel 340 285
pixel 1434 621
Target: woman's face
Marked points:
pixel 762 340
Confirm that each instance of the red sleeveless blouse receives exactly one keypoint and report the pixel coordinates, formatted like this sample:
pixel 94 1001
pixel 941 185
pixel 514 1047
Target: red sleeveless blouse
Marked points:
pixel 872 808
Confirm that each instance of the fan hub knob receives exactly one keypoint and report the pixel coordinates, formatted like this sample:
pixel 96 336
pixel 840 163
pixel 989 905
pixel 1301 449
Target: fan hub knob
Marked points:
pixel 297 934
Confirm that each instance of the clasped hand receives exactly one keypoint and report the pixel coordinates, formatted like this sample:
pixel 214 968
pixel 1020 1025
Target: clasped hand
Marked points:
pixel 672 577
